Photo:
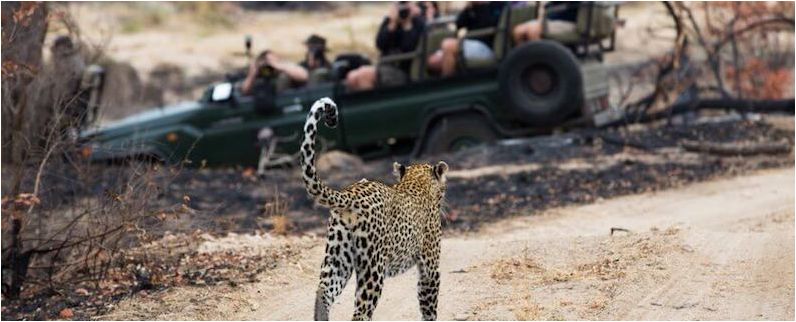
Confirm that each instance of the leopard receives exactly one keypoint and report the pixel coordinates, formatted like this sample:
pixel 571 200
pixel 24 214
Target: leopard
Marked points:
pixel 375 229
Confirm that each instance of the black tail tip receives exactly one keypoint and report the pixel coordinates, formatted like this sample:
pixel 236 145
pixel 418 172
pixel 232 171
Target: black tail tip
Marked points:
pixel 329 112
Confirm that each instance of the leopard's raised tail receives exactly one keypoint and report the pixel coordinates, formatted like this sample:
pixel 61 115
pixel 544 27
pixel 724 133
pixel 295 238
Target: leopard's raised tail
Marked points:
pixel 316 188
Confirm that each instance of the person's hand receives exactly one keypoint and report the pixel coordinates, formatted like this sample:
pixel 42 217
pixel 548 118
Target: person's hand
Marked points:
pixel 414 10
pixel 271 60
pixel 392 17
pixel 254 66
pixel 431 12
pixel 393 14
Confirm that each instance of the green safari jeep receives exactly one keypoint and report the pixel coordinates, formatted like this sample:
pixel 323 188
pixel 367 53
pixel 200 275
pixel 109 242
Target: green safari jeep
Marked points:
pixel 528 89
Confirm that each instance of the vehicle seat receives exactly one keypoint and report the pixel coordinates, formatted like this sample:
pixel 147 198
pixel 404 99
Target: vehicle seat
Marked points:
pixel 319 75
pixel 602 25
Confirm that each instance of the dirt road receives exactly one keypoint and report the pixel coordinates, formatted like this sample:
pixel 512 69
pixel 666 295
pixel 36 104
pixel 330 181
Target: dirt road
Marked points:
pixel 715 250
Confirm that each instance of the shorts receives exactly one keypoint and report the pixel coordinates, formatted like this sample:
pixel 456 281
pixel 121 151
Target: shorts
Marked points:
pixel 474 50
pixel 558 27
pixel 391 76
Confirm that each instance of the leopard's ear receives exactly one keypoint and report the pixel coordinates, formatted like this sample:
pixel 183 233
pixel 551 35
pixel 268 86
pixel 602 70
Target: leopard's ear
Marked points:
pixel 399 170
pixel 440 171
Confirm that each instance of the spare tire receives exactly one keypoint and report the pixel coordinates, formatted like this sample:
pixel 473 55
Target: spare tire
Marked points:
pixel 541 83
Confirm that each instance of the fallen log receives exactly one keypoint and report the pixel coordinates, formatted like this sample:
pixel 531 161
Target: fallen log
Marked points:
pixel 785 106
pixel 736 149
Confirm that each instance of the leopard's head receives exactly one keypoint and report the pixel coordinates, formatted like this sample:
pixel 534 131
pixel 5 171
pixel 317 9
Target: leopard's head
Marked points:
pixel 423 179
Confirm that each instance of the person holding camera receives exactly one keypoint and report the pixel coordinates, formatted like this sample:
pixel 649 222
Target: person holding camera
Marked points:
pixel 268 66
pixel 399 33
pixel 316 53
pixel 315 61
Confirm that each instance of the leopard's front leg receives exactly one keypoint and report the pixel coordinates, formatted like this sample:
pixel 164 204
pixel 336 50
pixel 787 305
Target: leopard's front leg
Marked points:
pixel 428 281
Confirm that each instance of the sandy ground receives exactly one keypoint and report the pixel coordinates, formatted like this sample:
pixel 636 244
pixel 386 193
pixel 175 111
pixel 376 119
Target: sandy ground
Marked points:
pixel 147 34
pixel 714 250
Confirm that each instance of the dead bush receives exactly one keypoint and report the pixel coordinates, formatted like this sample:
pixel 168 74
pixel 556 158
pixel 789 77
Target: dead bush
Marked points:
pixel 65 223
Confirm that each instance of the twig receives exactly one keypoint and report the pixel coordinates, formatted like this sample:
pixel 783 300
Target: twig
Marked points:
pixel 615 229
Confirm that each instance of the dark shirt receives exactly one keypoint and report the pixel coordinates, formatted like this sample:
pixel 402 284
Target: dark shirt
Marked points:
pixel 562 10
pixel 263 91
pixel 324 64
pixel 479 16
pixel 399 41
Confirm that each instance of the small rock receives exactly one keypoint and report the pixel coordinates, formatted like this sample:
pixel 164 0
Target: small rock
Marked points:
pixel 461 317
pixel 656 304
pixel 338 160
pixel 66 313
pixel 459 271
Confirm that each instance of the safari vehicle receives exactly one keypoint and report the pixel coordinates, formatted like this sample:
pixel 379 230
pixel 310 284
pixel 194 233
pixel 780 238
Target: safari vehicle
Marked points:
pixel 528 89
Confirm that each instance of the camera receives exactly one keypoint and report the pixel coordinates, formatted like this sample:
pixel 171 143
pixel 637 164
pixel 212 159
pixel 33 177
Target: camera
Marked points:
pixel 316 53
pixel 265 70
pixel 403 10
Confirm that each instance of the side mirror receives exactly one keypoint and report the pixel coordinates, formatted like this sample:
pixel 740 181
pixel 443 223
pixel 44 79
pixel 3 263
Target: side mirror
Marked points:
pixel 221 92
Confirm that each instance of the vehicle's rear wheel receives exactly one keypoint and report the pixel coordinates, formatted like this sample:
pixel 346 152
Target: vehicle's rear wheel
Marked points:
pixel 541 83
pixel 458 132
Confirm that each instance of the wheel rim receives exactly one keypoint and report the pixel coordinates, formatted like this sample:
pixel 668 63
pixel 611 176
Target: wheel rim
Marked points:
pixel 540 79
pixel 463 143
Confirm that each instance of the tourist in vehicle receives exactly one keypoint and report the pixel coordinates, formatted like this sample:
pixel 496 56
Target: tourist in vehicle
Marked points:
pixel 561 18
pixel 476 15
pixel 267 67
pixel 315 61
pixel 429 10
pixel 399 33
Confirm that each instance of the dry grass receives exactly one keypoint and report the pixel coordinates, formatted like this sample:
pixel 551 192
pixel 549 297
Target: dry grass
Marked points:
pixel 275 211
pixel 282 225
pixel 595 272
pixel 528 310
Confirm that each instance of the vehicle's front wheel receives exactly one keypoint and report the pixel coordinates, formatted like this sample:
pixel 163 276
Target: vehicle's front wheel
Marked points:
pixel 458 132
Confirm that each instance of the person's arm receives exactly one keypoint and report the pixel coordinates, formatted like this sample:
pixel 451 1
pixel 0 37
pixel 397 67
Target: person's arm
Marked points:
pixel 294 71
pixel 248 83
pixel 461 18
pixel 386 35
pixel 417 32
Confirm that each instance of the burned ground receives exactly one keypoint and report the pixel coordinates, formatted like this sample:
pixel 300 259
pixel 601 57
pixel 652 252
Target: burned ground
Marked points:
pixel 573 168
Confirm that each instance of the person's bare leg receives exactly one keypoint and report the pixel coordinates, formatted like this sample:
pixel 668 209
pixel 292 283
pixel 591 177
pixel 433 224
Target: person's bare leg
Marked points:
pixel 528 31
pixel 534 30
pixel 361 79
pixel 368 78
pixel 450 47
pixel 520 32
pixel 352 79
pixel 434 62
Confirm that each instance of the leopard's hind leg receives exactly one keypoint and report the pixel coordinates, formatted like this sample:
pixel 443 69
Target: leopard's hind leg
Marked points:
pixel 370 276
pixel 336 269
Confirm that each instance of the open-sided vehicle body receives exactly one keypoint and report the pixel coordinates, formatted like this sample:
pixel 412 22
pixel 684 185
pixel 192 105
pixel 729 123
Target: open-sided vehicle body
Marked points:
pixel 529 88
